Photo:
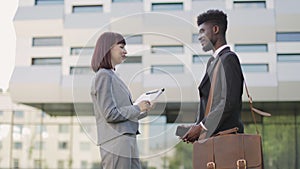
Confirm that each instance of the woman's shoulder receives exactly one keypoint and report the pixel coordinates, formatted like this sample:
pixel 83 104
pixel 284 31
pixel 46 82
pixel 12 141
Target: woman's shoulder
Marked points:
pixel 102 78
pixel 104 72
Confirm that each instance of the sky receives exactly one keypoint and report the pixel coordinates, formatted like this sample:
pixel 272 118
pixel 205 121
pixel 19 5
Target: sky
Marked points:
pixel 7 42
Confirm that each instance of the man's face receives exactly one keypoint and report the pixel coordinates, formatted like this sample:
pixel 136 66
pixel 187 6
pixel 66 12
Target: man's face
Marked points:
pixel 206 36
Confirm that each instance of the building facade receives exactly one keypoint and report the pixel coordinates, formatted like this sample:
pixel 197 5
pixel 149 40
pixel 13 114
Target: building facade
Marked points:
pixel 32 139
pixel 55 41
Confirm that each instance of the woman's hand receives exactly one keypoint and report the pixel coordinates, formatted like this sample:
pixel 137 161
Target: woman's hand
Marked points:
pixel 144 106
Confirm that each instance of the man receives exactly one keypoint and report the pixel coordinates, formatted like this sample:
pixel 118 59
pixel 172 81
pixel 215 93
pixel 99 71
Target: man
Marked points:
pixel 226 106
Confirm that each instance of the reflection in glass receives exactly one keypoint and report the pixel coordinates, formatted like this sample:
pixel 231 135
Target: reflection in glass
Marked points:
pixel 167 6
pixel 87 8
pixel 290 57
pixel 251 48
pixel 47 41
pixel 255 68
pixel 249 4
pixel 163 69
pixel 288 36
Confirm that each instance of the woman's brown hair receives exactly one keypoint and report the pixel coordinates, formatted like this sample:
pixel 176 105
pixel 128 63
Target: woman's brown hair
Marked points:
pixel 101 56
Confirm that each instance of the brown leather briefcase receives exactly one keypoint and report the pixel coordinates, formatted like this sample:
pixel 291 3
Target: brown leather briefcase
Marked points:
pixel 228 151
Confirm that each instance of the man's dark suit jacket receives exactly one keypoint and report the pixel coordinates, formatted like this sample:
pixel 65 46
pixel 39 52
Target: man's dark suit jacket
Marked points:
pixel 227 100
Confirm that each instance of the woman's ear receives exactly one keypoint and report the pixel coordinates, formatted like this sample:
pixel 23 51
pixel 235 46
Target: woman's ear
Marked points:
pixel 216 29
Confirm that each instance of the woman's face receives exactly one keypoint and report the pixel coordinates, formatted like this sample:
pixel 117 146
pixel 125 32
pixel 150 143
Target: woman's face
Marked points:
pixel 118 54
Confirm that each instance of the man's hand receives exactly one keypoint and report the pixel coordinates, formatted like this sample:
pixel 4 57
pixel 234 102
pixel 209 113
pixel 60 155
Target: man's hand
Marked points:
pixel 193 134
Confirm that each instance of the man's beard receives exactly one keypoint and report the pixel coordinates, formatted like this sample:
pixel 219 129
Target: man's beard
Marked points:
pixel 208 47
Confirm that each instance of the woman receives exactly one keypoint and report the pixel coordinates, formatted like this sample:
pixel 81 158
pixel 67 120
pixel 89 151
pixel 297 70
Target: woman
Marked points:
pixel 116 116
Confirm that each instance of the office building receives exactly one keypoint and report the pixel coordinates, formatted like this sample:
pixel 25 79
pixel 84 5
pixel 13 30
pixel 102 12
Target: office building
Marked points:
pixel 55 41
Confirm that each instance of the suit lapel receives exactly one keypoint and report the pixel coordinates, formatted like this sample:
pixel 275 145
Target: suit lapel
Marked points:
pixel 225 50
pixel 123 86
pixel 205 78
pixel 211 65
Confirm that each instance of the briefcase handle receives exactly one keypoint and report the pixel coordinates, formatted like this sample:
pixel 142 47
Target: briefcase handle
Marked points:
pixel 254 110
pixel 229 131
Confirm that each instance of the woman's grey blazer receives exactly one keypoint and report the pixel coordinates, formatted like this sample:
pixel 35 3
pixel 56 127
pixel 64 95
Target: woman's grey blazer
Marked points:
pixel 115 114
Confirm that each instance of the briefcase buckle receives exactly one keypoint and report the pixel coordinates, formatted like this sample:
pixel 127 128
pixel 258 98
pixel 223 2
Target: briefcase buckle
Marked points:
pixel 211 165
pixel 241 164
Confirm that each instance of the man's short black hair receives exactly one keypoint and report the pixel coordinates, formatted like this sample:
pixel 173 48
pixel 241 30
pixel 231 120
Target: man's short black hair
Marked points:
pixel 214 16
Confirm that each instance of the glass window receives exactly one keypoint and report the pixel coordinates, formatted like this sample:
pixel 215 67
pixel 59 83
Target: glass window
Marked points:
pixel 40 129
pixel 249 4
pixel 95 165
pixel 165 69
pixel 255 68
pixel 86 128
pixel 63 128
pixel 288 57
pixel 1 113
pixel 201 58
pixel 82 50
pixel 47 41
pixel 16 163
pixel 17 145
pixel 280 147
pixel 18 114
pixel 135 39
pixel 167 49
pixel 80 70
pixel 195 38
pixel 43 114
pixel 18 129
pixel 40 114
pixel 127 0
pixel 288 36
pixel 37 164
pixel 84 146
pixel 251 48
pixel 82 129
pixel 48 2
pixel 84 165
pixel 46 61
pixel 87 8
pixel 157 125
pixel 62 145
pixel 60 164
pixel 39 145
pixel 167 6
pixel 133 59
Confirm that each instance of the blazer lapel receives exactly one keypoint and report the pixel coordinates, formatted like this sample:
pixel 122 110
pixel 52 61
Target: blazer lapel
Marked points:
pixel 225 50
pixel 124 86
pixel 210 65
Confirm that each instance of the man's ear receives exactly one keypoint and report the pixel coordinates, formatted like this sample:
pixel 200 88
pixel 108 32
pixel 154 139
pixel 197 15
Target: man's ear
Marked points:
pixel 216 29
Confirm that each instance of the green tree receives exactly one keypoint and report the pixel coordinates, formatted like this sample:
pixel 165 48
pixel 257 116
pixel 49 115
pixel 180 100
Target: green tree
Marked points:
pixel 279 142
pixel 183 157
